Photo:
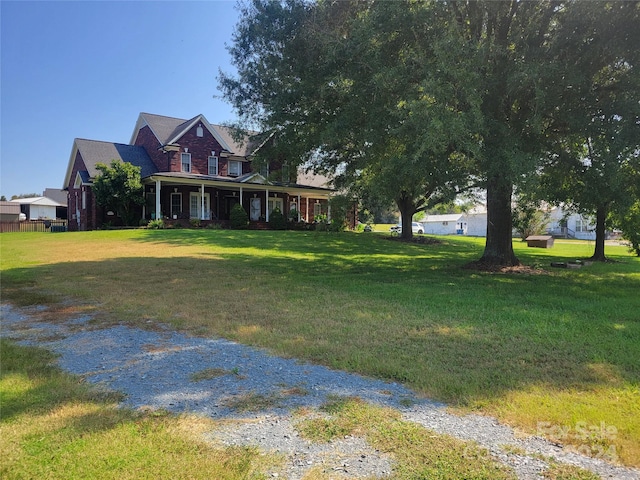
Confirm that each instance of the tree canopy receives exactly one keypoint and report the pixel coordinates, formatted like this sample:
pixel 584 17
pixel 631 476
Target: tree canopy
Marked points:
pixel 118 187
pixel 421 100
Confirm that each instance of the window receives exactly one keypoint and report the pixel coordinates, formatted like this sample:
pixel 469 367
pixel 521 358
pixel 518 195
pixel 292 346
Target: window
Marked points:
pixel 582 225
pixel 176 204
pixel 199 131
pixel 317 209
pixel 213 165
pixel 185 159
pixel 235 168
pixel 275 202
pixel 285 174
pixel 196 204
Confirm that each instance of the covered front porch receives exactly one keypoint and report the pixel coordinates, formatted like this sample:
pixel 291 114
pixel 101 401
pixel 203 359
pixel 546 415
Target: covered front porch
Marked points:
pixel 210 200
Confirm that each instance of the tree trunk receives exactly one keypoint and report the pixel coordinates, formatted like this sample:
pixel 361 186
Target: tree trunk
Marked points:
pixel 407 208
pixel 498 248
pixel 601 219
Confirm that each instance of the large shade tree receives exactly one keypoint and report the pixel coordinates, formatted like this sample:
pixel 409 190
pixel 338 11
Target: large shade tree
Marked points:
pixel 593 166
pixel 454 92
pixel 358 89
pixel 118 187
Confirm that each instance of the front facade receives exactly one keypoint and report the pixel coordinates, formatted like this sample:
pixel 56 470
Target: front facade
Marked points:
pixel 567 224
pixel 191 170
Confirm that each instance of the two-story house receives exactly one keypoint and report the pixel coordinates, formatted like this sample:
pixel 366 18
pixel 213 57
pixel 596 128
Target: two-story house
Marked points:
pixel 190 169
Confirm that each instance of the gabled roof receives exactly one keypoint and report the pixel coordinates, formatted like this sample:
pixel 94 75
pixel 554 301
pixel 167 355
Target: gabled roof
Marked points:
pixel 43 201
pixel 169 130
pixel 244 147
pixel 94 152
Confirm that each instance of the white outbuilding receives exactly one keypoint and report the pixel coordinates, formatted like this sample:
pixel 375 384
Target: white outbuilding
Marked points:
pixel 38 208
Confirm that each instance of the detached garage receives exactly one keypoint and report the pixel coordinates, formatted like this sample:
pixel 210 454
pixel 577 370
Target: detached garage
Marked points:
pixel 38 208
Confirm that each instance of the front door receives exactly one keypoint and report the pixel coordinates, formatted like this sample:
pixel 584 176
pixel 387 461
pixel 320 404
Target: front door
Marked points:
pixel 255 209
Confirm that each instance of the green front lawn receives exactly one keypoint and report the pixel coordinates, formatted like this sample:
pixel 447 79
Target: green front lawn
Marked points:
pixel 553 353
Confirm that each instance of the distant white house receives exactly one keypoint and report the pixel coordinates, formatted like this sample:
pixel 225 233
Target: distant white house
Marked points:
pixel 472 223
pixel 570 225
pixel 450 224
pixel 36 208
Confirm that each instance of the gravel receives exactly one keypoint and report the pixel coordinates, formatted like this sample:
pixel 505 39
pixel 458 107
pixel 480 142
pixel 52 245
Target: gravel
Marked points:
pixel 155 370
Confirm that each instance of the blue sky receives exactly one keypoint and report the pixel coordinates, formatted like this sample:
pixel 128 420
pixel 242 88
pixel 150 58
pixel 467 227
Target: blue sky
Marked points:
pixel 86 69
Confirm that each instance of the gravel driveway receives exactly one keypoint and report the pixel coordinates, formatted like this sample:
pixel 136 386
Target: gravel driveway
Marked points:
pixel 156 368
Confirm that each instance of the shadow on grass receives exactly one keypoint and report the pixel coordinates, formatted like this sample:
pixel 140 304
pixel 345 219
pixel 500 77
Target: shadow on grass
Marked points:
pixel 404 313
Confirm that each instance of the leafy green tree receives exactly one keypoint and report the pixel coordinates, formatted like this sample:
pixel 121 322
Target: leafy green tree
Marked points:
pixel 344 87
pixel 629 222
pixel 118 187
pixel 25 195
pixel 422 98
pixel 593 165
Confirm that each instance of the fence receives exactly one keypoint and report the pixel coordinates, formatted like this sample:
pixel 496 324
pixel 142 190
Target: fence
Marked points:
pixel 34 226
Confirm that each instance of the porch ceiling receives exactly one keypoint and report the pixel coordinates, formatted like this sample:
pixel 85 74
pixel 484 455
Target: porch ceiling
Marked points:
pixel 234 184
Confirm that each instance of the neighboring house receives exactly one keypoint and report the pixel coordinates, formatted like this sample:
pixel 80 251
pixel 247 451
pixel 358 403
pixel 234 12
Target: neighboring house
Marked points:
pixel 473 223
pixel 190 169
pixel 38 208
pixel 450 224
pixel 60 196
pixel 10 212
pixel 570 225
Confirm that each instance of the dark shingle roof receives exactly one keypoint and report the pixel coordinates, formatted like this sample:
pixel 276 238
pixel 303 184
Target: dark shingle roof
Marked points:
pixel 94 152
pixel 165 128
pixel 243 147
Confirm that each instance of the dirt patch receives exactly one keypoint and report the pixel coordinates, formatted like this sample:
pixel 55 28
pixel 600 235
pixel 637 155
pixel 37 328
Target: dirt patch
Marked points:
pixel 506 269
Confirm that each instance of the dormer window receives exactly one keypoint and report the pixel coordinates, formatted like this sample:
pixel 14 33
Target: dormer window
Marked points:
pixel 235 168
pixel 185 160
pixel 199 131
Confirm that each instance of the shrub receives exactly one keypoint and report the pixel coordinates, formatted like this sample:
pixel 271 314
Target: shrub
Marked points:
pixel 277 220
pixel 238 217
pixel 156 224
pixel 195 222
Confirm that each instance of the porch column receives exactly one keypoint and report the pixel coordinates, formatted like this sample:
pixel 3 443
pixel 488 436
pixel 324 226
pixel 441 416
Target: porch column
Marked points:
pixel 266 206
pixel 306 212
pixel 298 207
pixel 202 202
pixel 328 211
pixel 158 186
pixel 241 196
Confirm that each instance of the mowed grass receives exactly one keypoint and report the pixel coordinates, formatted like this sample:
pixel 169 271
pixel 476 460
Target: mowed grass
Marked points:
pixel 556 353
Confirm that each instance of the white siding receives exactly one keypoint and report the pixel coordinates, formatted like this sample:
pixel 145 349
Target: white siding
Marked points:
pixel 476 224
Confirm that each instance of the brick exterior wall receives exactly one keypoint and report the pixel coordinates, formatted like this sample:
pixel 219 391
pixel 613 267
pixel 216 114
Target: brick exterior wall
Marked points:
pixel 148 140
